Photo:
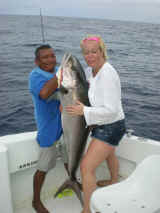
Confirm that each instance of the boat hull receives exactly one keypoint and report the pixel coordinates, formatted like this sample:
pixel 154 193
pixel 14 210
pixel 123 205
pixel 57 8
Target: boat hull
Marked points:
pixel 19 154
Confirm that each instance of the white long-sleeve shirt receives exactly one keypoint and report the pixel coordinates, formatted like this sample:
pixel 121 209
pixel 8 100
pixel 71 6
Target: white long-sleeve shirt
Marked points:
pixel 104 96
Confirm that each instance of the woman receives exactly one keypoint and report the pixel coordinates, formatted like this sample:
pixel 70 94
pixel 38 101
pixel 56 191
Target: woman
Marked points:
pixel 105 113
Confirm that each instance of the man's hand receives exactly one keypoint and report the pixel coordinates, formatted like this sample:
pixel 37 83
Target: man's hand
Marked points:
pixel 60 108
pixel 59 76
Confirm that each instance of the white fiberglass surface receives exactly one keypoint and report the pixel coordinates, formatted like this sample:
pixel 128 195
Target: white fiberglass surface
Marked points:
pixel 58 205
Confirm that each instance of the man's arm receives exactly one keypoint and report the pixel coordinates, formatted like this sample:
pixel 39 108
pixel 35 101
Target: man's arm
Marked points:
pixel 49 87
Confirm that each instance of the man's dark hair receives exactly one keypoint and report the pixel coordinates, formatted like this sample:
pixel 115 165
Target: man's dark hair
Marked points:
pixel 42 47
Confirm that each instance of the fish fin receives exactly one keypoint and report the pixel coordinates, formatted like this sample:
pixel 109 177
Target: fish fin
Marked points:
pixel 70 184
pixel 77 189
pixel 54 96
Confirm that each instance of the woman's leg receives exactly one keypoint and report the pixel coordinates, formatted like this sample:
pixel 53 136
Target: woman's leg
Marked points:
pixel 97 152
pixel 113 166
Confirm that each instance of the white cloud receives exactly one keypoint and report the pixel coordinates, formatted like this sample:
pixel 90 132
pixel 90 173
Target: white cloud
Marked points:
pixel 116 3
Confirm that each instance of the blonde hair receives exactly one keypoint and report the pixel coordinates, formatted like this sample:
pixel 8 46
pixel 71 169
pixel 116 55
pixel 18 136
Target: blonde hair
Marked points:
pixel 100 42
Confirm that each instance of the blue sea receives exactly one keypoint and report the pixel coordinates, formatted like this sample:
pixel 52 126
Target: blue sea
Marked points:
pixel 133 49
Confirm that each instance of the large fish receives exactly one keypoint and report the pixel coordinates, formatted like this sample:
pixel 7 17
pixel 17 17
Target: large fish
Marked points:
pixel 73 87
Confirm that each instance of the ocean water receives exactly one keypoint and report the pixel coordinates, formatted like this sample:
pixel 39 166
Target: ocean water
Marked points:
pixel 133 49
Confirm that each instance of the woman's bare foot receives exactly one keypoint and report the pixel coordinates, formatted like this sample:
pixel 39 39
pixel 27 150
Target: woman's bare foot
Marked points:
pixel 86 211
pixel 39 207
pixel 102 183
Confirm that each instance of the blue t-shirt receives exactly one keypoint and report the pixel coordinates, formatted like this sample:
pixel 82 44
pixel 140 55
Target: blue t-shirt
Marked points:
pixel 47 113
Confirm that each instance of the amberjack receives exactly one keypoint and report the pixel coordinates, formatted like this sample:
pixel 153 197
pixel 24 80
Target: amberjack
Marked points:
pixel 74 86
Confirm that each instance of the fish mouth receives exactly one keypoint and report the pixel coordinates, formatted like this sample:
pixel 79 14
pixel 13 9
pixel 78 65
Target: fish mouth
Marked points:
pixel 68 80
pixel 65 59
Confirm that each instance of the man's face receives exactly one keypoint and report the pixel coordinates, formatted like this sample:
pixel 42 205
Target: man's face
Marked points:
pixel 46 60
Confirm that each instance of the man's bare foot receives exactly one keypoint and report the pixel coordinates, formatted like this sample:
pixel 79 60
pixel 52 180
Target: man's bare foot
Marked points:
pixel 102 183
pixel 39 207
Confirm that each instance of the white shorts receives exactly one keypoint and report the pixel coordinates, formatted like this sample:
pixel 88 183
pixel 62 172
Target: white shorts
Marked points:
pixel 48 156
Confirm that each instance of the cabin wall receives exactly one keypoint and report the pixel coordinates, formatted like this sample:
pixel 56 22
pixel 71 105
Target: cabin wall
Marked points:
pixel 5 186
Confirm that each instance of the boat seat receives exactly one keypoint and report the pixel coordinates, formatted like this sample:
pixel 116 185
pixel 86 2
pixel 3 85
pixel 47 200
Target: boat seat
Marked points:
pixel 139 193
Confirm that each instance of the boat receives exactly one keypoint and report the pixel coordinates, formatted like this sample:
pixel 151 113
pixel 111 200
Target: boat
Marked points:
pixel 18 157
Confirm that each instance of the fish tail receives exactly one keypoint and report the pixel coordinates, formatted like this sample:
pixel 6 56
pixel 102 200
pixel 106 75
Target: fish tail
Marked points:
pixel 61 188
pixel 74 185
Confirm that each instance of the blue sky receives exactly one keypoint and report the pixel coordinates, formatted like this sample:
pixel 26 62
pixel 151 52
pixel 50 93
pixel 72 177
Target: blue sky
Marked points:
pixel 134 10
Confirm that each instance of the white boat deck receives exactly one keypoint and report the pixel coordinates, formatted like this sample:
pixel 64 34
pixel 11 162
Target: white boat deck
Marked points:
pixel 67 203
pixel 23 198
pixel 19 154
pixel 58 205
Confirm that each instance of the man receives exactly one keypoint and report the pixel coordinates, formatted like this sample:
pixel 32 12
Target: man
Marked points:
pixel 43 83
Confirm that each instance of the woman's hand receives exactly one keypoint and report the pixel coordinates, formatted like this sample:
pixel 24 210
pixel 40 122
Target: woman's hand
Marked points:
pixel 76 109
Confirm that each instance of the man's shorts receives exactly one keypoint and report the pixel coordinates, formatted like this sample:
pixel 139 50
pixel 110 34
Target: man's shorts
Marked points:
pixel 49 155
